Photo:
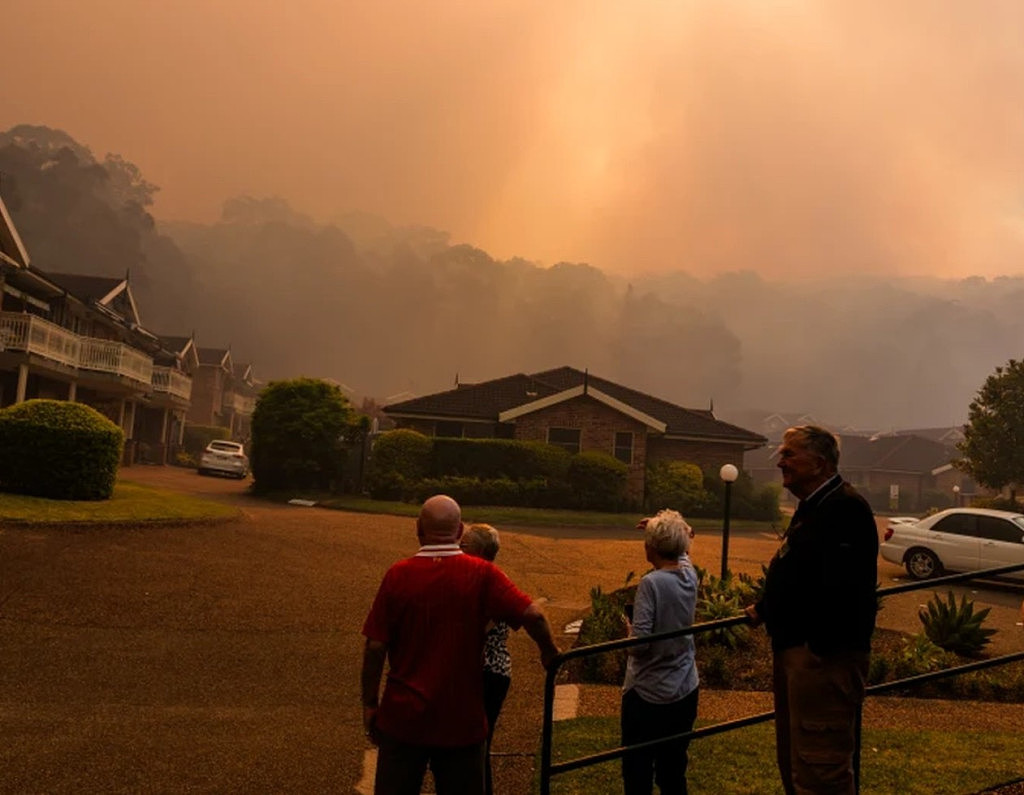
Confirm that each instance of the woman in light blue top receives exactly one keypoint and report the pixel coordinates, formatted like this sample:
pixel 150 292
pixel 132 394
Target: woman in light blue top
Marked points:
pixel 659 694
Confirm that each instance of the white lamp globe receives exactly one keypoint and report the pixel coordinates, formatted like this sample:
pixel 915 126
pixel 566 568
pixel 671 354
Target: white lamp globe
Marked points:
pixel 728 473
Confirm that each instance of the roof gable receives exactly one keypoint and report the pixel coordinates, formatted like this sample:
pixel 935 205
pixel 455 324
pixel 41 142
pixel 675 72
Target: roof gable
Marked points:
pixel 12 250
pixel 215 357
pixel 580 391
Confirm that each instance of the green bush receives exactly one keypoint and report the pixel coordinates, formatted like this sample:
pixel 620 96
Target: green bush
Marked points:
pixel 498 458
pixel 59 450
pixel 956 627
pixel 675 484
pixel 605 622
pixel 747 501
pixel 471 491
pixel 398 461
pixel 996 503
pixel 301 432
pixel 195 438
pixel 598 481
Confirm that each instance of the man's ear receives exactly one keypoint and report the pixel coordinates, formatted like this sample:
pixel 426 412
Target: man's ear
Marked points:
pixel 462 529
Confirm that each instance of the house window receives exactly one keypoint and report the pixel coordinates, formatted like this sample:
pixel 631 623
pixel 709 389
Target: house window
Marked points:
pixel 567 438
pixel 448 428
pixel 624 446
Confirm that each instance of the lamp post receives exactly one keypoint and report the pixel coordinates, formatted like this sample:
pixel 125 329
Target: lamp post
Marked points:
pixel 728 474
pixel 956 495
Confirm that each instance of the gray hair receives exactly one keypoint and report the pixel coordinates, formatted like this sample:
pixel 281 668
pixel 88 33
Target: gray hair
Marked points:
pixel 668 535
pixel 483 539
pixel 818 440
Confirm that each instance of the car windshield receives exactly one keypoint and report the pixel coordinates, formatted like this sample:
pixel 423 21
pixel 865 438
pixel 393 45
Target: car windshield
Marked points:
pixel 226 447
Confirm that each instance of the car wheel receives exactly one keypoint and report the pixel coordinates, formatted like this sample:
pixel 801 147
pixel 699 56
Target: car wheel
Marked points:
pixel 922 564
pixel 201 471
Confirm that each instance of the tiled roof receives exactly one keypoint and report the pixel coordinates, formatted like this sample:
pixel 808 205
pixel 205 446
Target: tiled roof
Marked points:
pixel 213 356
pixel 880 454
pixel 893 453
pixel 86 288
pixel 486 400
pixel 176 344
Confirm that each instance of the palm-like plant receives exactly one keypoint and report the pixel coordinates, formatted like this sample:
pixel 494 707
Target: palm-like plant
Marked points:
pixel 955 626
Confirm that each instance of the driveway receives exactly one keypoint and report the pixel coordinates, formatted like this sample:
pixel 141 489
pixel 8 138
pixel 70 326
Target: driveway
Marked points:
pixel 226 658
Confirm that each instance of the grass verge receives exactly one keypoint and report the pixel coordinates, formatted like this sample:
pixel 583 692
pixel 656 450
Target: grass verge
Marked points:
pixel 742 762
pixel 131 503
pixel 511 516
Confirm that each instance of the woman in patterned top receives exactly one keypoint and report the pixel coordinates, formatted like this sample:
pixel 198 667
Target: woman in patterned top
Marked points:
pixel 481 541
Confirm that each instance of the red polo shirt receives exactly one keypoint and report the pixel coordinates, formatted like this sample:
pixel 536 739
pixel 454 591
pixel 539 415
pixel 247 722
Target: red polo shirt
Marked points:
pixel 431 611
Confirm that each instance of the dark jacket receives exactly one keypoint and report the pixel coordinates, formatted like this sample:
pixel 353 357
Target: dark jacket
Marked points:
pixel 820 588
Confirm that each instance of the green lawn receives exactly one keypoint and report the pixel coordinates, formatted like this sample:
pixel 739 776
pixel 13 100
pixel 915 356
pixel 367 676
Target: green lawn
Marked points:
pixel 742 762
pixel 524 517
pixel 131 503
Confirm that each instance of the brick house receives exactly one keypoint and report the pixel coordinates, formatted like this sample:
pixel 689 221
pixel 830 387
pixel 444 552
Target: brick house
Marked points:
pixel 579 411
pixel 909 468
pixel 223 392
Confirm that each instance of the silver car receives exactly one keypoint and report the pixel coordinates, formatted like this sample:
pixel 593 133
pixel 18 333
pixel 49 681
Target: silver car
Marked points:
pixel 226 458
pixel 957 540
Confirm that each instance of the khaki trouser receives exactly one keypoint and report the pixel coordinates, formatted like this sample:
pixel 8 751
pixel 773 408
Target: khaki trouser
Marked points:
pixel 816 705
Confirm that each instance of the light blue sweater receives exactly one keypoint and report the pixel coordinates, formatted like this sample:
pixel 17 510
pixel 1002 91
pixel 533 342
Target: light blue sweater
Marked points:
pixel 664 671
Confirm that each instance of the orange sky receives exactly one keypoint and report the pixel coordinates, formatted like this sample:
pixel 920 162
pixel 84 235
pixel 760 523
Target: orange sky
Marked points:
pixel 792 138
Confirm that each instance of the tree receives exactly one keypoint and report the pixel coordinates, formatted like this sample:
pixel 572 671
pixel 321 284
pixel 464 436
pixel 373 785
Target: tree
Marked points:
pixel 302 430
pixel 993 445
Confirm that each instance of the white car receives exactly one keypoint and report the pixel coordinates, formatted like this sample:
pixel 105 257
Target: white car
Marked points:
pixel 957 540
pixel 227 458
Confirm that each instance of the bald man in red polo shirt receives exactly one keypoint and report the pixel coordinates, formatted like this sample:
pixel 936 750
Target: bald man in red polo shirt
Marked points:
pixel 428 621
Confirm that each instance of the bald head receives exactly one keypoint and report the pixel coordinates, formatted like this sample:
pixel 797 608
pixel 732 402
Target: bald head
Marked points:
pixel 440 521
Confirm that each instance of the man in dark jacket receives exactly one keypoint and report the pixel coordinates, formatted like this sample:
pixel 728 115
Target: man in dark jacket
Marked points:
pixel 819 609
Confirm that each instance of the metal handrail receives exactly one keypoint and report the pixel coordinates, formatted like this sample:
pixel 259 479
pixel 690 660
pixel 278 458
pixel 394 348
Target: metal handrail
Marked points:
pixel 547 769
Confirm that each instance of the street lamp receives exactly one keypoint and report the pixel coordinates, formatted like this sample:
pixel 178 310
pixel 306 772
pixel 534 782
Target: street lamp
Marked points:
pixel 956 495
pixel 728 473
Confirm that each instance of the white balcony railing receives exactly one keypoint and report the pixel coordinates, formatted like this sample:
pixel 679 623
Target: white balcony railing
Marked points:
pixel 240 404
pixel 172 382
pixel 20 331
pixel 107 356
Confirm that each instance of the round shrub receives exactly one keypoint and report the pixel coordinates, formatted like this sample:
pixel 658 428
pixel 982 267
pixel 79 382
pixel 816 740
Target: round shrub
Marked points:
pixel 397 459
pixel 59 450
pixel 675 484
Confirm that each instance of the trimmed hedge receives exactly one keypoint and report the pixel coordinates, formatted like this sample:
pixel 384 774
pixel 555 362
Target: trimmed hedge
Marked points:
pixel 498 458
pixel 195 438
pixel 598 481
pixel 59 450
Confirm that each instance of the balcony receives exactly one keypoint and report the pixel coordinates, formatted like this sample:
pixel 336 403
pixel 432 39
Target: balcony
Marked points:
pixel 167 380
pixel 240 404
pixel 116 358
pixel 20 331
pixel 31 334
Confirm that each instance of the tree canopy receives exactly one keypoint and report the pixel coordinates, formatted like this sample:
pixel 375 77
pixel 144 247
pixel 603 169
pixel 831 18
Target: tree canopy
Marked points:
pixel 993 445
pixel 302 430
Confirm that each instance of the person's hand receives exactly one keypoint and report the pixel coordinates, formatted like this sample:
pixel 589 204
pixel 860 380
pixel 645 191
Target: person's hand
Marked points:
pixel 370 724
pixel 547 656
pixel 752 614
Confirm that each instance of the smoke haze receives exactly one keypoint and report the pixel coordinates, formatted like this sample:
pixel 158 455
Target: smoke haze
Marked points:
pixel 789 138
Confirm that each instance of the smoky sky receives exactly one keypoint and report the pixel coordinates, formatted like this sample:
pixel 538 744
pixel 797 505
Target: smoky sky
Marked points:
pixel 790 138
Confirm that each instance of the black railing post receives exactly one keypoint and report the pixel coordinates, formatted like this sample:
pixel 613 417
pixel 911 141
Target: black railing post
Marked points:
pixel 547 728
pixel 857 726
